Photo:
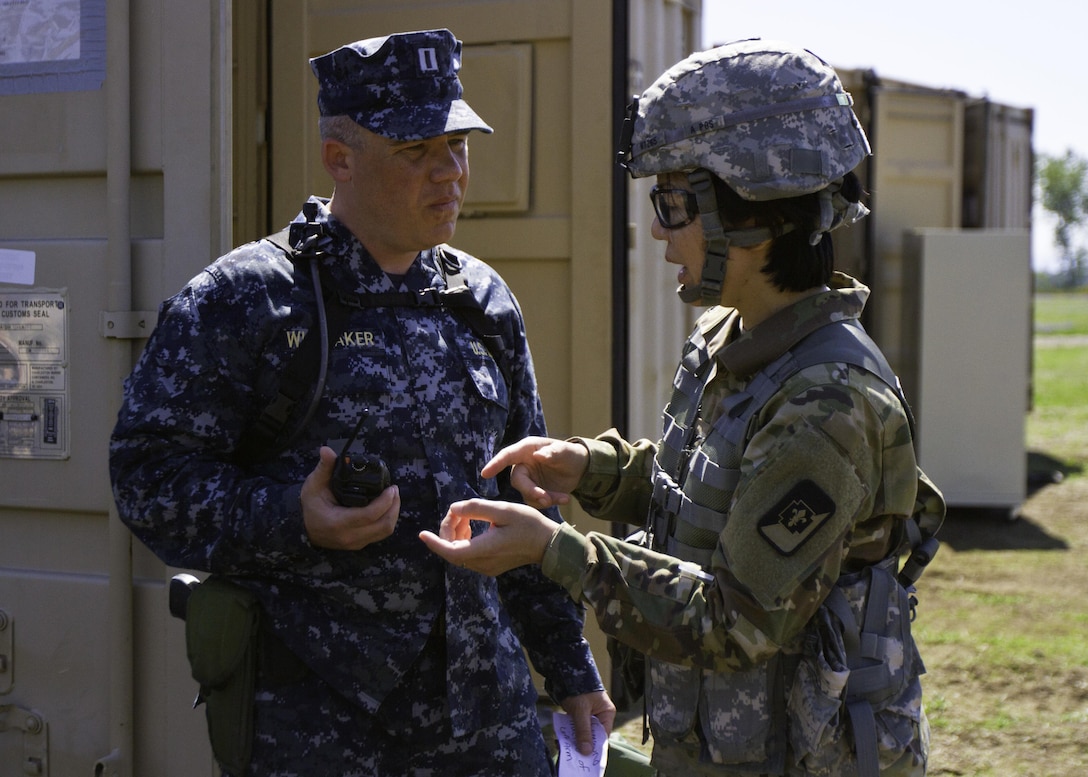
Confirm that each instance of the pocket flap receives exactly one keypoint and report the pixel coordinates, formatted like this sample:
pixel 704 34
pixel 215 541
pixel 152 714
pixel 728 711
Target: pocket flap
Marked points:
pixel 220 627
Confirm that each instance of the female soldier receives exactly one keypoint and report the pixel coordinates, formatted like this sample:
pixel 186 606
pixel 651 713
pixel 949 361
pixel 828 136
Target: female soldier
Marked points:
pixel 784 489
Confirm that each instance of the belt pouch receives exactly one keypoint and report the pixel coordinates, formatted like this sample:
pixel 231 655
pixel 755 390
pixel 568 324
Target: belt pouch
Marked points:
pixel 221 630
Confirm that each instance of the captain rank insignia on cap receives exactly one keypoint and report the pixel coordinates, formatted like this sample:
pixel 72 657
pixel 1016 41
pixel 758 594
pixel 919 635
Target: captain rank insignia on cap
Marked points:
pixel 428 59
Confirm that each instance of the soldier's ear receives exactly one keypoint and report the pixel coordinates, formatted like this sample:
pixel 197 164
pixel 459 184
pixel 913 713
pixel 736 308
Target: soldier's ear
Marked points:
pixel 336 157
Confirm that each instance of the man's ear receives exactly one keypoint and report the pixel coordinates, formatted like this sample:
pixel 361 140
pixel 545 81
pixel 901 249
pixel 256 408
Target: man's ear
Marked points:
pixel 336 158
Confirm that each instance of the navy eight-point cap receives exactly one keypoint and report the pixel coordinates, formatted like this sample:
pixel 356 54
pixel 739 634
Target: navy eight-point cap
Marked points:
pixel 403 86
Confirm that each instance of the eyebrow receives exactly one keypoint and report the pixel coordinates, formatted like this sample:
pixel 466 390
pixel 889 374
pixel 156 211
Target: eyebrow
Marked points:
pixel 394 144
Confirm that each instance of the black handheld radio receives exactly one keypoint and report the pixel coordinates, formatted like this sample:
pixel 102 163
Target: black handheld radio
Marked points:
pixel 358 476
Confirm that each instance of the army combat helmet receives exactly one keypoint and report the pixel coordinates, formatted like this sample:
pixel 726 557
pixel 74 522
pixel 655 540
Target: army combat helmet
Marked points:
pixel 768 118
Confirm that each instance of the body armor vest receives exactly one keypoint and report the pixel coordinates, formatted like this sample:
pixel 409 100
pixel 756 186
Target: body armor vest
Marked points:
pixel 742 716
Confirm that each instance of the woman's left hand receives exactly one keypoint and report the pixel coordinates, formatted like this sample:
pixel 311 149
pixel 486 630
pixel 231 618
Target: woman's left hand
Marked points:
pixel 518 535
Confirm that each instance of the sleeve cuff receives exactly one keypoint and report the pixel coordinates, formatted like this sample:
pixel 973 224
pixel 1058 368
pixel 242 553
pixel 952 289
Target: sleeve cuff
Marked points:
pixel 602 473
pixel 566 559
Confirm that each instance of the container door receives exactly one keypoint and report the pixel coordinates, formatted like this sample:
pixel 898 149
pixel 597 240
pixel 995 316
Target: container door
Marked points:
pixel 110 197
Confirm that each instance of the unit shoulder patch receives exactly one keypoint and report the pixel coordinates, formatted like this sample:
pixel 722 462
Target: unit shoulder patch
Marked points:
pixel 796 517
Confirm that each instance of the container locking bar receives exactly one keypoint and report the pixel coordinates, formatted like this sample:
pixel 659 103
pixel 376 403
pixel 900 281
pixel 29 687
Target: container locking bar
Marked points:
pixel 35 737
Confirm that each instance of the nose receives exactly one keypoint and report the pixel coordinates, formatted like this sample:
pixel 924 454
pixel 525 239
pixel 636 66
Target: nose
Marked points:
pixel 658 232
pixel 449 164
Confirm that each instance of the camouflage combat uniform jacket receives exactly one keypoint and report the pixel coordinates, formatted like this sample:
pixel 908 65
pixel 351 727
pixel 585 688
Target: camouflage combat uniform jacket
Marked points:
pixel 726 628
pixel 438 407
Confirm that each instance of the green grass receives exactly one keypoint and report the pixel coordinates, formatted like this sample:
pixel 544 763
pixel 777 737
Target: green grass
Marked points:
pixel 1056 426
pixel 1060 374
pixel 1062 313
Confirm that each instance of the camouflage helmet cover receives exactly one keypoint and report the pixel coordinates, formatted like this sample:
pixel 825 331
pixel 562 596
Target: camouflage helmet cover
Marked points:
pixel 770 119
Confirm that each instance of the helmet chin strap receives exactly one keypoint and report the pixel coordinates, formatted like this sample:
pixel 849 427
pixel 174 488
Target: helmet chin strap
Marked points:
pixel 709 290
pixel 718 241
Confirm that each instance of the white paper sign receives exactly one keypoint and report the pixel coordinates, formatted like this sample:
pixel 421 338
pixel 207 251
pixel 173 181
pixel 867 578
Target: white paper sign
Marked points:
pixel 39 31
pixel 571 762
pixel 16 267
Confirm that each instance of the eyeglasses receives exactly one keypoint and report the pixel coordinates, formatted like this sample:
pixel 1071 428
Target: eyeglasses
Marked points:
pixel 675 208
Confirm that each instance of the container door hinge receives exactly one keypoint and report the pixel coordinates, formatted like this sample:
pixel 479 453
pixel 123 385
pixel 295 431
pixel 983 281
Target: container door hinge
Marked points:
pixel 127 325
pixel 35 737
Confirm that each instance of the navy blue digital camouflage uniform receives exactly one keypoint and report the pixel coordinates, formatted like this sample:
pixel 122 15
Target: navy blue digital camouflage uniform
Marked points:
pixel 408 658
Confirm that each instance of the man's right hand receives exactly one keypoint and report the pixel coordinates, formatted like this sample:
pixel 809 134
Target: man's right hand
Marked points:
pixel 544 470
pixel 331 525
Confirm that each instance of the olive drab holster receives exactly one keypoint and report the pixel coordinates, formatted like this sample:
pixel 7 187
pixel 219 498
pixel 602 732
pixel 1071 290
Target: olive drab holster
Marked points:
pixel 222 625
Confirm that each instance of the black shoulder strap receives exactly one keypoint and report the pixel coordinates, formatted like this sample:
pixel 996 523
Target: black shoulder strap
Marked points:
pixel 457 297
pixel 268 435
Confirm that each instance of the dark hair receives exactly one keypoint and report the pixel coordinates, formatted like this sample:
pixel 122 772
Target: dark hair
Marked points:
pixel 793 263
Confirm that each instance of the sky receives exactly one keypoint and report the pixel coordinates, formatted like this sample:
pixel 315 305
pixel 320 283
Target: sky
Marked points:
pixel 1023 54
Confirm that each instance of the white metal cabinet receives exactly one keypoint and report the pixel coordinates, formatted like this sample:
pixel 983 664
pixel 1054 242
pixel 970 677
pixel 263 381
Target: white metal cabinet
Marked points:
pixel 967 331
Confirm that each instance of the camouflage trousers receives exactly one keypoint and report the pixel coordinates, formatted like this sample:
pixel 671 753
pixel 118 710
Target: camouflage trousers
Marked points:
pixel 905 767
pixel 912 763
pixel 305 728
